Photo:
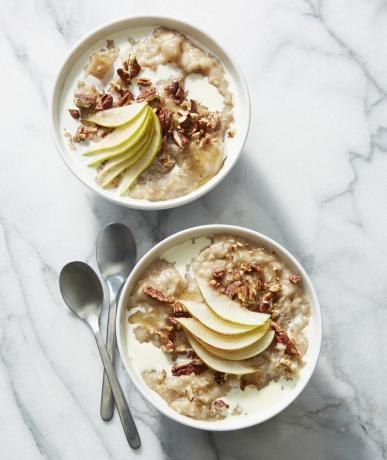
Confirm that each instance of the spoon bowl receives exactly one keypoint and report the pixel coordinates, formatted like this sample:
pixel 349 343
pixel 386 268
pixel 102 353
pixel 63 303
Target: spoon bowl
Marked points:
pixel 116 252
pixel 81 289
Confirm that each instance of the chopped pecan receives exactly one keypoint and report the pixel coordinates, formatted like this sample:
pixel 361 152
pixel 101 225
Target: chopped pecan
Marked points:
pixel 172 320
pixel 220 404
pixel 126 98
pixel 102 131
pixel 231 133
pixel 124 75
pixel 168 347
pixel 218 274
pixel 181 350
pixel 166 161
pixel 215 284
pixel 281 336
pixel 132 67
pixel 144 81
pixel 178 310
pixel 176 91
pixel 256 267
pixel 266 298
pixel 74 113
pixel 165 117
pixel 84 132
pixel 179 139
pixel 263 307
pixel 158 295
pixel 220 378
pixel 295 278
pixel 104 102
pixel 85 96
pixel 187 368
pixel 232 289
pixel 184 121
pixel 243 293
pixel 148 95
pixel 116 87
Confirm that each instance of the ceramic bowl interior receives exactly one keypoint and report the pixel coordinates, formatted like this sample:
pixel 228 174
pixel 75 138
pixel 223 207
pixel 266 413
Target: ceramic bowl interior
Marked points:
pixel 313 330
pixel 76 60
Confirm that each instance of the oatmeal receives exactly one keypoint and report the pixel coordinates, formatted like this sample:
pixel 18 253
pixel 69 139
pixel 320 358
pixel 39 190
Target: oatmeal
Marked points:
pixel 178 143
pixel 213 366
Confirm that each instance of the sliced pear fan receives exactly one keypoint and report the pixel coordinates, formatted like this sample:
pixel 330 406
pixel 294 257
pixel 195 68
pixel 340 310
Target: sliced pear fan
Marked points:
pixel 119 139
pixel 128 146
pixel 227 309
pixel 244 353
pixel 144 162
pixel 223 342
pixel 112 172
pixel 118 116
pixel 219 364
pixel 206 316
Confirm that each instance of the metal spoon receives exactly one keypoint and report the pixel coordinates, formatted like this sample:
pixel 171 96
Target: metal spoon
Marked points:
pixel 82 291
pixel 116 256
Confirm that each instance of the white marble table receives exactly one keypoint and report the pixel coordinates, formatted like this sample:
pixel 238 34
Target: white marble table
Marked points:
pixel 312 175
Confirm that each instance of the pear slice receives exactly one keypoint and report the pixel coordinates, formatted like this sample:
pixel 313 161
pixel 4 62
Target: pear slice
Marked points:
pixel 121 136
pixel 127 147
pixel 219 364
pixel 126 162
pixel 245 353
pixel 227 309
pixel 223 342
pixel 145 161
pixel 206 316
pixel 114 162
pixel 118 116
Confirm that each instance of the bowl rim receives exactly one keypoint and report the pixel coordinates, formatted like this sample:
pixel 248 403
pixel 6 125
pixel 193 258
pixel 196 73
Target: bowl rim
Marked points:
pixel 134 203
pixel 211 229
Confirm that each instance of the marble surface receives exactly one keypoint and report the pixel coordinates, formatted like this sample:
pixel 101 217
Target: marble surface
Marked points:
pixel 312 175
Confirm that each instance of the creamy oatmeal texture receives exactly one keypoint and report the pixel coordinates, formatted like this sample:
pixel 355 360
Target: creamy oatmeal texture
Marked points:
pixel 192 148
pixel 253 276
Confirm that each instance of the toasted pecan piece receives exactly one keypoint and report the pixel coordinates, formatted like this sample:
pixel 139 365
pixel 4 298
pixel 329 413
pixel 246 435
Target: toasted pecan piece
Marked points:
pixel 282 337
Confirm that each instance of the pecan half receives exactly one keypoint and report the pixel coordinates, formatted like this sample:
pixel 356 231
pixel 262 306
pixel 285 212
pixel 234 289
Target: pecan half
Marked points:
pixel 295 278
pixel 104 102
pixel 281 336
pixel 158 295
pixel 196 366
pixel 165 117
pixel 179 139
pixel 132 67
pixel 74 113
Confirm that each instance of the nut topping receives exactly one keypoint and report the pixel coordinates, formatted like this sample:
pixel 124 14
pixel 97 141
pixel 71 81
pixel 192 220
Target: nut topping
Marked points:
pixel 148 95
pixel 126 98
pixel 196 366
pixel 104 102
pixel 295 278
pixel 179 139
pixel 158 295
pixel 144 81
pixel 165 117
pixel 281 336
pixel 74 113
pixel 132 67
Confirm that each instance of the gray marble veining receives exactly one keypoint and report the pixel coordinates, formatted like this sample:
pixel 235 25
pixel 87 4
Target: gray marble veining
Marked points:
pixel 312 176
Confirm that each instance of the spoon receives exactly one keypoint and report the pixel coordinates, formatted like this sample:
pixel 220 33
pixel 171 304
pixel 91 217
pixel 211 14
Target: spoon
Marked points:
pixel 116 256
pixel 82 291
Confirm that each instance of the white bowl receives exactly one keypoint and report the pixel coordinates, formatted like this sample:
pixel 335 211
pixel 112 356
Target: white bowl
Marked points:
pixel 78 57
pixel 313 330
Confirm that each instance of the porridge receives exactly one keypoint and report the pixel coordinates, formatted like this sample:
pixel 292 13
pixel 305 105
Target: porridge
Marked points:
pixel 138 121
pixel 216 327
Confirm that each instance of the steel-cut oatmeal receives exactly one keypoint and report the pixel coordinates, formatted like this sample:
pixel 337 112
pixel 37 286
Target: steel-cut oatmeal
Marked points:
pixel 254 277
pixel 192 147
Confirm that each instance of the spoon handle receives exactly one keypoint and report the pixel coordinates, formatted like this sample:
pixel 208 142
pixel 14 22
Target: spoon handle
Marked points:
pixel 127 421
pixel 107 402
